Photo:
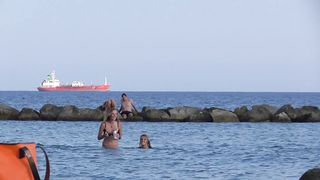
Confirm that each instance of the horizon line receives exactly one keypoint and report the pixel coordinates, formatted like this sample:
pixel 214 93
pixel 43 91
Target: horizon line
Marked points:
pixel 179 91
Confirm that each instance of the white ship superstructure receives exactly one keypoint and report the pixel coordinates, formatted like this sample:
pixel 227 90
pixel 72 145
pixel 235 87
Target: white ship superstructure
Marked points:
pixel 51 81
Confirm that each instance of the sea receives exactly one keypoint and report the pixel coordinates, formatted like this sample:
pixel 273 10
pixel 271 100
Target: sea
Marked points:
pixel 185 150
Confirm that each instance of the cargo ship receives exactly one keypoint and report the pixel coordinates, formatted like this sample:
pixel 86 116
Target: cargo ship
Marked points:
pixel 52 84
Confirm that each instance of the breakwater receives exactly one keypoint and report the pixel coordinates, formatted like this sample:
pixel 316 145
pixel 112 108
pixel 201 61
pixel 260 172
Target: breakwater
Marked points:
pixel 256 113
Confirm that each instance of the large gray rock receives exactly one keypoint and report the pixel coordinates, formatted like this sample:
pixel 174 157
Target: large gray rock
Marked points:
pixel 260 113
pixel 293 114
pixel 155 114
pixel 134 118
pixel 182 113
pixel 28 114
pixel 146 108
pixel 221 115
pixel 242 113
pixel 188 114
pixel 70 113
pixel 311 174
pixel 281 117
pixel 50 112
pixel 90 114
pixel 271 109
pixel 200 116
pixel 309 114
pixel 73 113
pixel 8 113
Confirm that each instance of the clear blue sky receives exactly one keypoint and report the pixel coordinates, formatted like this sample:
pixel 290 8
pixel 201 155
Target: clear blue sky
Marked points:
pixel 163 45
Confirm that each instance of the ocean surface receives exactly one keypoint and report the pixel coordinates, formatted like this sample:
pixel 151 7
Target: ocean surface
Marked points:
pixel 181 150
pixel 226 100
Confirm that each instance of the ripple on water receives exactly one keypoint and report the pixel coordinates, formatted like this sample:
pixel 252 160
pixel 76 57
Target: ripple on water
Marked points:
pixel 187 151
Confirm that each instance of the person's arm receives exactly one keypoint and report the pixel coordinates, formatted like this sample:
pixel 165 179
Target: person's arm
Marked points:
pixel 102 131
pixel 134 108
pixel 121 107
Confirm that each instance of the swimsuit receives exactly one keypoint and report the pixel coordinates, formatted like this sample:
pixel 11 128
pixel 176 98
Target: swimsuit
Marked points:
pixel 111 134
pixel 125 112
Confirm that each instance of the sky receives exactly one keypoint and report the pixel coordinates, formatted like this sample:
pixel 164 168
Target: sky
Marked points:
pixel 162 45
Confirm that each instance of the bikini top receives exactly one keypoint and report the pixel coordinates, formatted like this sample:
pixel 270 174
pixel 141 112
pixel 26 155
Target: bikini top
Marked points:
pixel 111 133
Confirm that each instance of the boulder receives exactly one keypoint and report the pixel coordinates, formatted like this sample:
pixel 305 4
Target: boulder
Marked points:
pixel 200 116
pixel 242 113
pixel 281 117
pixel 271 109
pixel 311 174
pixel 134 118
pixel 73 113
pixel 8 113
pixel 50 112
pixel 70 113
pixel 260 113
pixel 188 114
pixel 181 113
pixel 310 114
pixel 221 115
pixel 155 114
pixel 146 108
pixel 28 114
pixel 293 114
pixel 90 114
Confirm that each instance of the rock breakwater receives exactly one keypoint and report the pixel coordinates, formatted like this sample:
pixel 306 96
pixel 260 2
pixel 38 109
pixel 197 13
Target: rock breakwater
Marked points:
pixel 256 113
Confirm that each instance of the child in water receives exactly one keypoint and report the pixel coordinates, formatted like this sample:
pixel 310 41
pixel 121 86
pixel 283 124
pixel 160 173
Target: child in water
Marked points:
pixel 144 142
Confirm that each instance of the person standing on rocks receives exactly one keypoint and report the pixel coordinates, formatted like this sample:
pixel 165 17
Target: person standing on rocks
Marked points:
pixel 127 107
pixel 110 131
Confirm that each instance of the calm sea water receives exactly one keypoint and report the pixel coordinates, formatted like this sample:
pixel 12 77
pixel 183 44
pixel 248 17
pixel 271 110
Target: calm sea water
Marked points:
pixel 181 150
pixel 226 100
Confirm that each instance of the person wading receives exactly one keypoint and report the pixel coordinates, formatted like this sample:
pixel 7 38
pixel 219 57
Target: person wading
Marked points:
pixel 110 131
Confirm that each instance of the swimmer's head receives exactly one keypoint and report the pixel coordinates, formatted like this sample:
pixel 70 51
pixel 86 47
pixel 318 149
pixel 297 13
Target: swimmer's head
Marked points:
pixel 144 142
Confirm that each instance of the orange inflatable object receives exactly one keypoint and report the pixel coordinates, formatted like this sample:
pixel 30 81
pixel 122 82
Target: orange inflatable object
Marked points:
pixel 14 163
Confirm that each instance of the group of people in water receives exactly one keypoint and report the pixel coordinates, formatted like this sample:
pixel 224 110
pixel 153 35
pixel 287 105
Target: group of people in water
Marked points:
pixel 111 127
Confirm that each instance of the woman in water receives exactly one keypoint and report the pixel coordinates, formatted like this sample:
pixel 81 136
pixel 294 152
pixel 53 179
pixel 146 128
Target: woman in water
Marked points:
pixel 144 142
pixel 110 131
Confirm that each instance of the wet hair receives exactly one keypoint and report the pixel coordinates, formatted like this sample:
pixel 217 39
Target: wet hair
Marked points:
pixel 148 141
pixel 108 105
pixel 123 94
pixel 103 106
pixel 111 104
pixel 110 114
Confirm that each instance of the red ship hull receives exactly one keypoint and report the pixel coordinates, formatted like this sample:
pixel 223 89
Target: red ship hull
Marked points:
pixel 101 88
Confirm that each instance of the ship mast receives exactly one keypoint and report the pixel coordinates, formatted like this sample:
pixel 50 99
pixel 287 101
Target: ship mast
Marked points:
pixel 53 75
pixel 105 80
